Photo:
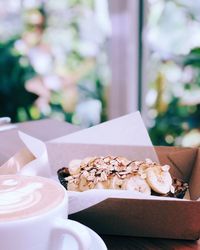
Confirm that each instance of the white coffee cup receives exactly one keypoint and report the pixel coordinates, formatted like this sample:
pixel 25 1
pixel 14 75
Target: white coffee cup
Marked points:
pixel 33 215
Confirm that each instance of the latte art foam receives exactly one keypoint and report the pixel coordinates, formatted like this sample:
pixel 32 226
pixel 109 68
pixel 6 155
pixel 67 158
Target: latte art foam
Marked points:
pixel 22 196
pixel 14 199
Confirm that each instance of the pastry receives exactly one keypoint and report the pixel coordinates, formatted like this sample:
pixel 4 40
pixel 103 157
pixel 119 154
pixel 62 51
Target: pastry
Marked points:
pixel 111 172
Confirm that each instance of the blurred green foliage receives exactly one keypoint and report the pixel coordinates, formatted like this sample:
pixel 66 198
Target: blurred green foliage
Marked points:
pixel 15 70
pixel 56 64
pixel 173 30
pixel 178 117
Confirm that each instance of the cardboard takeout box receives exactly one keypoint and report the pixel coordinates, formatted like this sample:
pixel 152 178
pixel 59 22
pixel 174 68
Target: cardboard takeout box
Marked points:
pixel 157 217
pixel 175 219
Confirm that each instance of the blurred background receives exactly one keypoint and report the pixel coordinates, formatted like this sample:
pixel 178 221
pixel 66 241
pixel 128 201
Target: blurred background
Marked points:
pixel 88 61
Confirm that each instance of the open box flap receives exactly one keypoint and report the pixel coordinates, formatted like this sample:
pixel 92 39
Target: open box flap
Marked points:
pixel 17 162
pixel 194 183
pixel 181 160
pixel 43 130
pixel 29 156
pixel 184 160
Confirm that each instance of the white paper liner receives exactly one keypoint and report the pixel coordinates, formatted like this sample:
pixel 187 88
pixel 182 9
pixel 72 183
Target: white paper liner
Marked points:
pixel 82 200
pixel 128 130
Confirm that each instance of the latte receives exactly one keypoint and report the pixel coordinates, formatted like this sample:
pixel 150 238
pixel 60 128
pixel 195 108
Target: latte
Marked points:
pixel 26 196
